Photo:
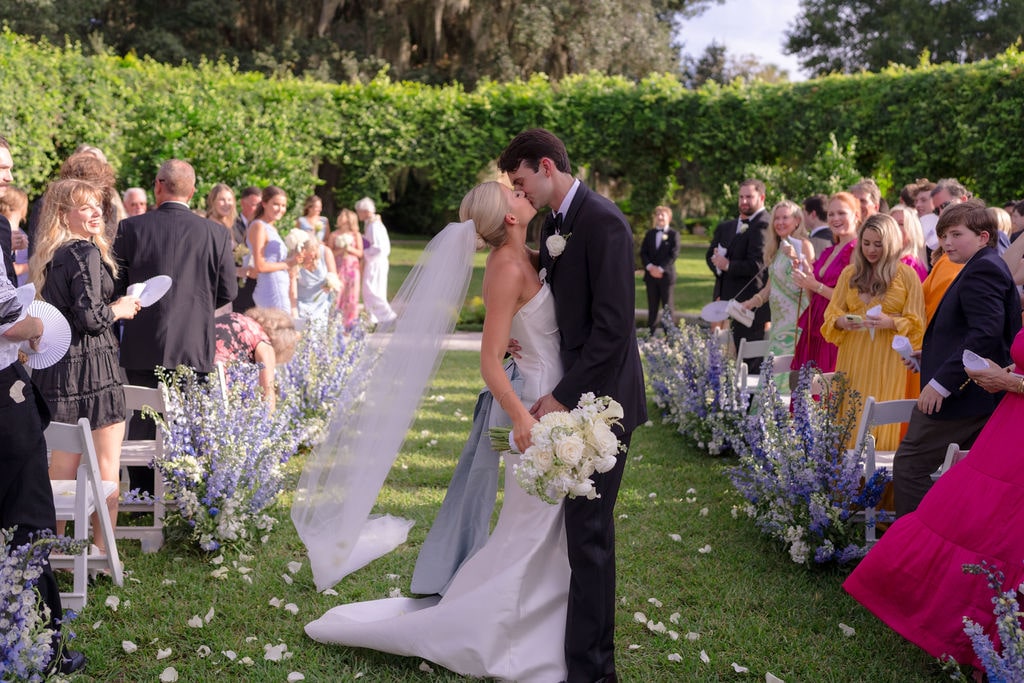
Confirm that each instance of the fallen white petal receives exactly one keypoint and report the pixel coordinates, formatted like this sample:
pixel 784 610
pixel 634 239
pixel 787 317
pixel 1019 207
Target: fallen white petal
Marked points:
pixel 274 653
pixel 640 617
pixel 128 646
pixel 246 558
pixel 634 646
pixel 251 639
pixel 674 618
pixel 359 674
pixel 649 423
pixel 295 676
pixel 395 593
pixel 329 591
pixel 97 624
pixel 654 601
pixel 264 538
pixel 703 512
pixel 220 572
pixel 204 651
pixel 230 654
pixel 704 657
pixel 247 578
pixel 169 675
pixel 657 628
pixel 652 495
pixel 244 570
pixel 674 635
pixel 692 636
pixel 769 677
pixel 705 550
pixel 690 491
pixel 623 516
pixel 246 660
pixel 735 512
pixel 113 602
pixel 275 602
pixel 287 579
pixel 169 582
pixel 209 616
pixel 217 560
pixel 196 621
pixel 392 577
pixel 292 607
pixel 675 537
pixel 691 499
pixel 426 668
pixel 294 567
pixel 638 458
pixel 675 657
pixel 163 654
pixel 848 631
pixel 739 669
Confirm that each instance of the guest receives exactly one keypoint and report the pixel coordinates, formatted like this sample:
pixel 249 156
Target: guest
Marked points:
pixel 248 202
pixel 869 195
pixel 1004 224
pixel 314 283
pixel 135 201
pixel 740 271
pixel 816 223
pixel 875 277
pixel 786 299
pixel 913 250
pixel 270 257
pixel 311 221
pixel 926 213
pixel 347 245
pixel 265 336
pixel 658 253
pixel 91 165
pixel 375 266
pixel 818 281
pixel 980 312
pixel 220 207
pixel 14 207
pixel 73 269
pixel 1016 220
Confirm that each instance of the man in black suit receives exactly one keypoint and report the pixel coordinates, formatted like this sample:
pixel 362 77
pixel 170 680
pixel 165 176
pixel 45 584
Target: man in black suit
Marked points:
pixel 740 272
pixel 658 253
pixel 197 254
pixel 248 202
pixel 593 287
pixel 10 241
pixel 980 311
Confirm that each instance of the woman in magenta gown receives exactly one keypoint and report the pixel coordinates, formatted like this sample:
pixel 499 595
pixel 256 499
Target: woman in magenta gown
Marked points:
pixel 819 281
pixel 913 578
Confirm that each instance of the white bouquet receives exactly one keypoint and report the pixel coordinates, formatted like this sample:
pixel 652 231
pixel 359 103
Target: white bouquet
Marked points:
pixel 566 449
pixel 296 239
pixel 332 283
pixel 343 241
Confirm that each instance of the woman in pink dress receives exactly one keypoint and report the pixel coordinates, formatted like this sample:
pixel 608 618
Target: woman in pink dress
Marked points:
pixel 347 246
pixel 843 219
pixel 913 239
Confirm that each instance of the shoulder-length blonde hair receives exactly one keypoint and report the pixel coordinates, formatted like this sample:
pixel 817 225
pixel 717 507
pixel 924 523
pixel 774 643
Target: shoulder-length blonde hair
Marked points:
pixel 912 232
pixel 875 280
pixel 62 197
pixel 772 239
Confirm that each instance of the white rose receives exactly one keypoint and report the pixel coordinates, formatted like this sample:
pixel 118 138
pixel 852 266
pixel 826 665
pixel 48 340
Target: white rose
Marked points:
pixel 604 440
pixel 556 245
pixel 570 450
pixel 542 458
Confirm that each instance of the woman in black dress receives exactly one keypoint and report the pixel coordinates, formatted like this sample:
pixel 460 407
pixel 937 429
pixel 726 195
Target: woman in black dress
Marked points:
pixel 73 269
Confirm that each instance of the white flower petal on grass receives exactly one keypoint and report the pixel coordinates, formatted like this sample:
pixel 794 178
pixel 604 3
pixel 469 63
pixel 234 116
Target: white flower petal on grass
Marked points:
pixel 691 499
pixel 691 491
pixel 652 495
pixel 220 572
pixel 204 651
pixel 674 618
pixel 195 622
pixel 359 674
pixel 247 578
pixel 739 669
pixel 246 558
pixel 654 601
pixel 251 639
pixel 217 560
pixel 287 579
pixel 676 537
pixel 128 646
pixel 638 458
pixel 705 550
pixel 292 607
pixel 623 516
pixel 244 570
pixel 113 602
pixel 395 593
pixel 97 624
pixel 657 628
pixel 640 617
pixel 276 602
pixel 735 512
pixel 295 676
pixel 649 423
pixel 274 653
pixel 432 442
pixel 848 631
pixel 674 635
pixel 392 577
pixel 329 591
pixel 294 567
pixel 264 538
pixel 230 654
pixel 769 677
pixel 675 657
pixel 634 646
pixel 169 675
pixel 169 582
pixel 209 616
pixel 247 661
pixel 704 657
pixel 163 654
pixel 703 512
pixel 426 668
pixel 692 636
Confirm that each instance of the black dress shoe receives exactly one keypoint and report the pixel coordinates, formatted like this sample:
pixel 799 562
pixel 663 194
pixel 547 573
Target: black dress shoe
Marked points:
pixel 70 662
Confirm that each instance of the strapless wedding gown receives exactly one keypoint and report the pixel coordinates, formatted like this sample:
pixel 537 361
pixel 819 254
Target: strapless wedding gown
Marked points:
pixel 503 615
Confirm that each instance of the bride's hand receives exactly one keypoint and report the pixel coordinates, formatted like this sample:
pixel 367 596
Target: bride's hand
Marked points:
pixel 521 433
pixel 546 404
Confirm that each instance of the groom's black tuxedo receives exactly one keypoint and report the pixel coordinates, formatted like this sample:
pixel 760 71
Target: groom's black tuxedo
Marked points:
pixel 593 286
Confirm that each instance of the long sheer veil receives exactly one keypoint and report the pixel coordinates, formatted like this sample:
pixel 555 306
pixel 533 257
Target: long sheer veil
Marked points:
pixel 342 478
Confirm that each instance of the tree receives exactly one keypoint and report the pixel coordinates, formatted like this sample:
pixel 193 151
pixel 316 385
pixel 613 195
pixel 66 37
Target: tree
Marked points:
pixel 716 65
pixel 852 35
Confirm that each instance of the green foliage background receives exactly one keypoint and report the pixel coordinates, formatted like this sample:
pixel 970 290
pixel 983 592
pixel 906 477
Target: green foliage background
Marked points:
pixel 418 148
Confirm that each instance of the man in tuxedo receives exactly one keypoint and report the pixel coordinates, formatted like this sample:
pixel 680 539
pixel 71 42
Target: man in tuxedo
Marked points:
pixel 197 254
pixel 980 311
pixel 658 253
pixel 816 223
pixel 740 272
pixel 248 202
pixel 593 287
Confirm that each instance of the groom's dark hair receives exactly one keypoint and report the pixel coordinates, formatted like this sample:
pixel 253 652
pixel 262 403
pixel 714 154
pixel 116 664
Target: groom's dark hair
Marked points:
pixel 530 147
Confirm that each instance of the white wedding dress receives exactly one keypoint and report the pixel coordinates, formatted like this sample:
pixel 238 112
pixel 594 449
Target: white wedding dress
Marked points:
pixel 503 615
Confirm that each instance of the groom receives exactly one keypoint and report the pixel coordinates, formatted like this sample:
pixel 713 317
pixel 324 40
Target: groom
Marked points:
pixel 593 285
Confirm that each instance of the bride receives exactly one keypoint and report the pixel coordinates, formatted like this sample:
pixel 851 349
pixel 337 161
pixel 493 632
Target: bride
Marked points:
pixel 502 614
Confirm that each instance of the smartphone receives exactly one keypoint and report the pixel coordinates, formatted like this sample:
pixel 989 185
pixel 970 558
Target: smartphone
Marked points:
pixel 850 317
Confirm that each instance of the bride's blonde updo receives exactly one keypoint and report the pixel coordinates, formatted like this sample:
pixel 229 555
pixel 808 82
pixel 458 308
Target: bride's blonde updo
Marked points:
pixel 486 205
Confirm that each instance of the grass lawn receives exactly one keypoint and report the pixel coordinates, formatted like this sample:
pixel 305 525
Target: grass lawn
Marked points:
pixel 746 600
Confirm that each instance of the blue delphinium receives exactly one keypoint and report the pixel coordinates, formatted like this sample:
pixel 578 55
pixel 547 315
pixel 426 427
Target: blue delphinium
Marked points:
pixel 1005 663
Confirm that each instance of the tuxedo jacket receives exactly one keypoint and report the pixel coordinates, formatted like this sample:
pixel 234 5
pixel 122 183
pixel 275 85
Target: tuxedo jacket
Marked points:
pixel 197 254
pixel 5 246
pixel 746 275
pixel 592 282
pixel 980 311
pixel 663 256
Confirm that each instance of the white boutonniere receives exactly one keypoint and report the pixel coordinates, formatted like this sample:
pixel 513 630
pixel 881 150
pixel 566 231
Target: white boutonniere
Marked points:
pixel 556 244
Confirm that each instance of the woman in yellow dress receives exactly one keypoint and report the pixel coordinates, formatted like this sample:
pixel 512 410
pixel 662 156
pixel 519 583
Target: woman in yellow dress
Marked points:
pixel 876 277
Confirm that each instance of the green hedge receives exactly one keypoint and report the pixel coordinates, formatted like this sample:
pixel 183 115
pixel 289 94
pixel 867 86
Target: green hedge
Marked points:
pixel 419 148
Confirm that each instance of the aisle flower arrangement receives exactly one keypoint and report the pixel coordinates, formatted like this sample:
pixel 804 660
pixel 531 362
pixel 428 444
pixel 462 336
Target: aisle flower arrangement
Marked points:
pixel 26 639
pixel 1005 663
pixel 803 487
pixel 694 384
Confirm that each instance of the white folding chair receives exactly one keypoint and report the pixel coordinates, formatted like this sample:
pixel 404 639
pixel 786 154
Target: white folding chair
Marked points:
pixel 953 456
pixel 747 350
pixel 141 453
pixel 878 413
pixel 75 500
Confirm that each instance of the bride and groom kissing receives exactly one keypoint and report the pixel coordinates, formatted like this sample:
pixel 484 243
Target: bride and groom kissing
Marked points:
pixel 535 601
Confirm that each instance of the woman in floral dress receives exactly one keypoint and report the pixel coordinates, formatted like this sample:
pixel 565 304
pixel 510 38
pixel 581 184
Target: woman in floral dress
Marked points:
pixel 347 246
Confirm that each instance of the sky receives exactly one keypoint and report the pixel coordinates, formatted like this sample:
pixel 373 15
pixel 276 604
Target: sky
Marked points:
pixel 746 27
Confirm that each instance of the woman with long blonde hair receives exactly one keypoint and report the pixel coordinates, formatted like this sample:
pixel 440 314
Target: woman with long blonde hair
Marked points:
pixel 220 206
pixel 346 243
pixel 876 298
pixel 73 268
pixel 912 253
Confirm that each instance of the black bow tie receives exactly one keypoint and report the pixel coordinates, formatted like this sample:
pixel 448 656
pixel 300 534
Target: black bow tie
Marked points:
pixel 553 223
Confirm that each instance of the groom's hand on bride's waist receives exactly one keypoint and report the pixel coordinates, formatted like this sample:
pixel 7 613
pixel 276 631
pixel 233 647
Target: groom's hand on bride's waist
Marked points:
pixel 546 404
